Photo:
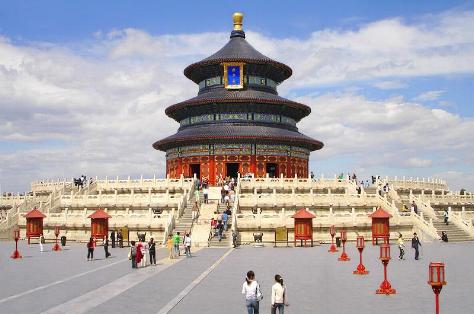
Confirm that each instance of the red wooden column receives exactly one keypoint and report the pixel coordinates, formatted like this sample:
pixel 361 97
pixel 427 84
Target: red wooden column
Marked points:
pixel 212 170
pixel 34 224
pixel 253 165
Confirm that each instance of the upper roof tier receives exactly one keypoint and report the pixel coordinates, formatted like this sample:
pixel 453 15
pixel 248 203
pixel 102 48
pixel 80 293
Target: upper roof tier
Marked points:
pixel 237 50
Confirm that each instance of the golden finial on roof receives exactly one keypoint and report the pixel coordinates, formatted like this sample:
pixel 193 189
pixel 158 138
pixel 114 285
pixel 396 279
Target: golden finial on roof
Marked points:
pixel 238 18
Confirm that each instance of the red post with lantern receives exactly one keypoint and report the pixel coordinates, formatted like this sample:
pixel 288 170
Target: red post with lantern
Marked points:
pixel 436 280
pixel 360 244
pixel 385 286
pixel 99 224
pixel 380 225
pixel 343 257
pixel 16 235
pixel 56 246
pixel 332 232
pixel 34 224
pixel 303 226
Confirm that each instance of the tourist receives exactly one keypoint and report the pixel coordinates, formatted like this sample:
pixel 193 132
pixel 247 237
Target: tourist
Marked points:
pixel 145 252
pixel 195 210
pixel 223 192
pixel 152 250
pixel 234 238
pixel 415 243
pixel 90 249
pixel 446 217
pixel 312 176
pixel 196 196
pixel 225 218
pixel 205 192
pixel 176 241
pixel 132 255
pixel 139 256
pixel 120 239
pixel 220 229
pixel 444 236
pixel 278 295
pixel 414 207
pixel 187 245
pixel 170 246
pixel 401 246
pixel 227 199
pixel 112 237
pixel 253 295
pixel 106 247
pixel 41 241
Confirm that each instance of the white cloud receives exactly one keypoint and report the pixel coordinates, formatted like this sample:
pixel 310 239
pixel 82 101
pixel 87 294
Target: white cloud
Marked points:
pixel 429 95
pixel 389 84
pixel 96 108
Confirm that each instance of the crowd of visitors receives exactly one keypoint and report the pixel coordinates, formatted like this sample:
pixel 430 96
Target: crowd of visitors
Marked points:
pixel 81 181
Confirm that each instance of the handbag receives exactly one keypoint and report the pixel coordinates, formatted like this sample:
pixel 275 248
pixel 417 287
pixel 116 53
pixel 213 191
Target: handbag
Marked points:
pixel 258 293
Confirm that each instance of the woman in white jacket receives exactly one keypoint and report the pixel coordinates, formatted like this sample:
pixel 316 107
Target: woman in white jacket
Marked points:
pixel 278 295
pixel 253 295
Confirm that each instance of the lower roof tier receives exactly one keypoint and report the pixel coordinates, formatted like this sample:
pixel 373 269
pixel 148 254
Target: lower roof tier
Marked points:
pixel 223 96
pixel 216 133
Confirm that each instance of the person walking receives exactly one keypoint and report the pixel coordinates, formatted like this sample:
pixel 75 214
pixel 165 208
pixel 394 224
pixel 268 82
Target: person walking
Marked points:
pixel 253 294
pixel 112 237
pixel 41 240
pixel 139 256
pixel 446 217
pixel 132 255
pixel 195 210
pixel 220 230
pixel 401 247
pixel 170 246
pixel 146 253
pixel 196 195
pixel 90 249
pixel 120 239
pixel 176 241
pixel 225 218
pixel 106 247
pixel 444 236
pixel 415 243
pixel 152 249
pixel 278 296
pixel 187 245
pixel 205 193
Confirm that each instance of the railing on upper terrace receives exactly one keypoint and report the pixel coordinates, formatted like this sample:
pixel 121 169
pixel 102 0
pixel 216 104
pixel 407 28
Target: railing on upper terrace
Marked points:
pixel 417 183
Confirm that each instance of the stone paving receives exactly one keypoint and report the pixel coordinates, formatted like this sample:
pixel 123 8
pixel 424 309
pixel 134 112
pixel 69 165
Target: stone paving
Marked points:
pixel 64 282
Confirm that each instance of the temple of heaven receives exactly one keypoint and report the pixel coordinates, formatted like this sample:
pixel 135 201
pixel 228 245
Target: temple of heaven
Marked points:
pixel 237 123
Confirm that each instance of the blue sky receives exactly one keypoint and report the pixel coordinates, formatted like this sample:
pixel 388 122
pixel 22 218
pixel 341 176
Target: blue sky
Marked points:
pixel 84 84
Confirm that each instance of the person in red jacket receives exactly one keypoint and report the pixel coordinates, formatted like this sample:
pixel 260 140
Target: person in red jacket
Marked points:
pixel 139 256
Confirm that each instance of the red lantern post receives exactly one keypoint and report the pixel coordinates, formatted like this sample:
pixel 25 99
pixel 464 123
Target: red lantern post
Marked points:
pixel 16 235
pixel 436 280
pixel 344 257
pixel 332 232
pixel 360 246
pixel 385 286
pixel 56 246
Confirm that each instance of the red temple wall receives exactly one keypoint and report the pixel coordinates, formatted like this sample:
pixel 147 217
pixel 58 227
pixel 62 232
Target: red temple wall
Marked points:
pixel 212 166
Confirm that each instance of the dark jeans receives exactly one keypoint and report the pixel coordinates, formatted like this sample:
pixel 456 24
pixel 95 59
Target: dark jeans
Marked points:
pixel 402 253
pixel 121 243
pixel 106 249
pixel 134 261
pixel 417 253
pixel 113 242
pixel 279 306
pixel 446 220
pixel 90 253
pixel 252 306
pixel 153 257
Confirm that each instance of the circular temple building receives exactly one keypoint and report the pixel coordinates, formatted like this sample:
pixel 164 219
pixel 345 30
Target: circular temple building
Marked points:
pixel 237 123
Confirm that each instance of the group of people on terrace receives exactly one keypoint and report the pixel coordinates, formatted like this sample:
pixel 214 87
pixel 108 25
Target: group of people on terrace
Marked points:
pixel 142 253
pixel 82 181
pixel 173 245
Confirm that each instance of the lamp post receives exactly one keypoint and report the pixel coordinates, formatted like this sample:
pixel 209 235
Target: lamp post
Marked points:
pixel 332 232
pixel 16 235
pixel 56 246
pixel 385 286
pixel 344 257
pixel 360 246
pixel 436 280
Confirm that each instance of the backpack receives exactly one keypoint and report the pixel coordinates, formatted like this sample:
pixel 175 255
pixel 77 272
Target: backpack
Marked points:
pixel 133 250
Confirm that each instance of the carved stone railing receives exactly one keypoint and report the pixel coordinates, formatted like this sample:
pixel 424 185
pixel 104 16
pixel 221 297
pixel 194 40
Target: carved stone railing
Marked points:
pixel 417 183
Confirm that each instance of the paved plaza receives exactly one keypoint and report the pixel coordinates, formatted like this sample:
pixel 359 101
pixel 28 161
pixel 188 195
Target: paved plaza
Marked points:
pixel 211 281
